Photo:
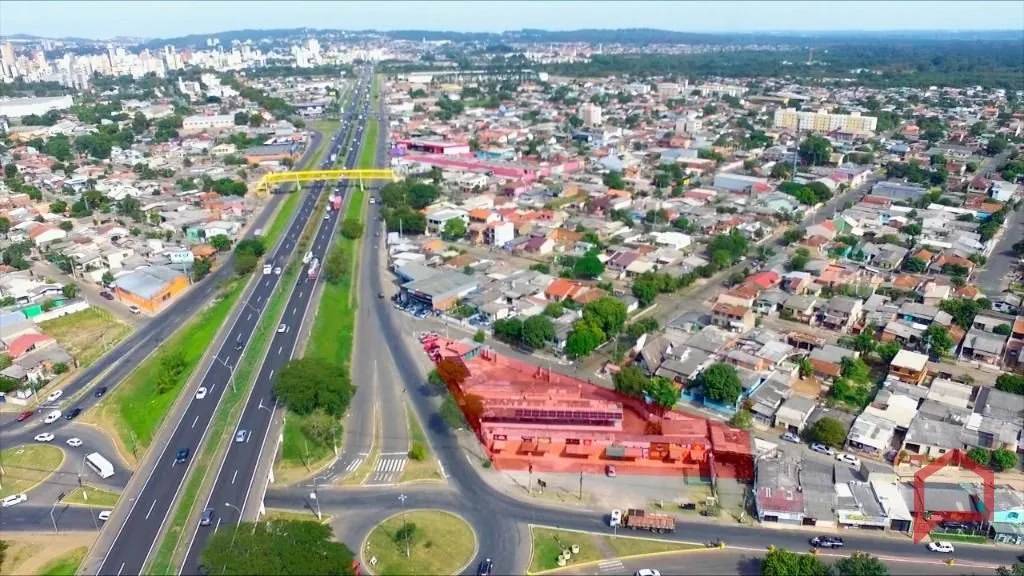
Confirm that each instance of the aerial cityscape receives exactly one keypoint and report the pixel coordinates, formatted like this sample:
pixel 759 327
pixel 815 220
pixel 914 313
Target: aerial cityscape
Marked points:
pixel 512 288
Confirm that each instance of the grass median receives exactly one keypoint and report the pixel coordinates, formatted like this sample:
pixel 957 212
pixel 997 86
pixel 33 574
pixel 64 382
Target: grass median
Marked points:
pixel 136 409
pixel 27 466
pixel 437 542
pixel 92 496
pixel 549 543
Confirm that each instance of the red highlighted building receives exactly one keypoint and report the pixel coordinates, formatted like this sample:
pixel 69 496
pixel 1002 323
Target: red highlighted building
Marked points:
pixel 525 415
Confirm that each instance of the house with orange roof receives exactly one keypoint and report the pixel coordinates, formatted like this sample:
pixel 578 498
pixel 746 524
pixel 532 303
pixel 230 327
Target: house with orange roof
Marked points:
pixel 732 317
pixel 28 342
pixel 950 259
pixel 562 289
pixel 45 233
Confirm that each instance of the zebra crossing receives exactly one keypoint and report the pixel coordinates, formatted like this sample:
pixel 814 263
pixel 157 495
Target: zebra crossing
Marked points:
pixel 612 565
pixel 355 463
pixel 389 469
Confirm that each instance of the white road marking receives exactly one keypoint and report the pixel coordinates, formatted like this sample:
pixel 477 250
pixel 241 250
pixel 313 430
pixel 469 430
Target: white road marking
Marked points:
pixel 151 506
pixel 194 421
pixel 272 377
pixel 217 527
pixel 280 349
pixel 248 316
pixel 121 569
pixel 233 476
pixel 609 565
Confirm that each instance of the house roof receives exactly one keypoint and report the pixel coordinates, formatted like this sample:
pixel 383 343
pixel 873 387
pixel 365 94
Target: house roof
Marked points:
pixel 26 342
pixel 910 360
pixel 147 282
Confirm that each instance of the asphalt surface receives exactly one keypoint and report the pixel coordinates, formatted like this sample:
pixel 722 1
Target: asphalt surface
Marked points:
pixel 138 534
pixel 236 476
pixel 127 355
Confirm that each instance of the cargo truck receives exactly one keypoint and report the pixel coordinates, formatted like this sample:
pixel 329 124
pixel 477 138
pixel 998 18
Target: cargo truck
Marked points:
pixel 336 202
pixel 314 269
pixel 641 520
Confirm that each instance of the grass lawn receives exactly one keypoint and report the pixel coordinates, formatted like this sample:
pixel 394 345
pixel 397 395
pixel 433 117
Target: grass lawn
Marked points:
pixel 631 546
pixel 86 335
pixel 28 465
pixel 136 409
pixel 300 455
pixel 425 469
pixel 442 543
pixel 66 565
pixel 92 496
pixel 548 544
pixel 306 516
pixel 968 538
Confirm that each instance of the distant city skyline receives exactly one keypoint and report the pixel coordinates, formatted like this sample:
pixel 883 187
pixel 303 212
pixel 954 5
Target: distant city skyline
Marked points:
pixel 103 20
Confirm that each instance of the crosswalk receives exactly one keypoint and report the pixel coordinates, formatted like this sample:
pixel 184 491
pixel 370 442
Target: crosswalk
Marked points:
pixel 355 463
pixel 612 565
pixel 388 469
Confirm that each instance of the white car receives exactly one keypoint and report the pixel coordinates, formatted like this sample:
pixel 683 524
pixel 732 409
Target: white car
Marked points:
pixel 52 417
pixel 44 437
pixel 282 329
pixel 848 459
pixel 74 442
pixel 791 437
pixel 104 516
pixel 943 547
pixel 615 519
pixel 647 572
pixel 55 395
pixel 277 271
pixel 200 392
pixel 13 499
pixel 822 449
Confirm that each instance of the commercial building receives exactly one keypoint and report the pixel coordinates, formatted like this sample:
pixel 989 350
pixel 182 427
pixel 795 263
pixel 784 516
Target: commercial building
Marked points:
pixel 432 147
pixel 150 288
pixel 438 291
pixel 19 107
pixel 591 114
pixel 823 121
pixel 737 182
pixel 202 123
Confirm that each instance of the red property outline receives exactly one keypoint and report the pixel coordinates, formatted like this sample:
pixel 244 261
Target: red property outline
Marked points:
pixel 926 520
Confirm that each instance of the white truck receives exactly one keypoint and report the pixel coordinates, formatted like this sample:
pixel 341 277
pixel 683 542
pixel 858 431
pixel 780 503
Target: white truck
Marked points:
pixel 268 269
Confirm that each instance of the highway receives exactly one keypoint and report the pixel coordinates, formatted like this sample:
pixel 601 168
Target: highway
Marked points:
pixel 236 476
pixel 126 356
pixel 138 533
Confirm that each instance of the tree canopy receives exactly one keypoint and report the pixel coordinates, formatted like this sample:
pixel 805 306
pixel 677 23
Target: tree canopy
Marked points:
pixel 827 431
pixel 721 383
pixel 287 547
pixel 307 384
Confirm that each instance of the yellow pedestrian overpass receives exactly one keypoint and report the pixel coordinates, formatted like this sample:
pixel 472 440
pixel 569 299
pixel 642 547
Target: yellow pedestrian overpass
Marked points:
pixel 299 176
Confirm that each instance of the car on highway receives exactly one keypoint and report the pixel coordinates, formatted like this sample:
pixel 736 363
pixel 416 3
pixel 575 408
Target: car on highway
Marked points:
pixel 822 449
pixel 267 269
pixel 239 342
pixel 277 270
pixel 200 392
pixel 485 568
pixel 647 572
pixel 242 435
pixel 207 518
pixel 44 437
pixel 52 417
pixel 941 547
pixel 327 215
pixel 848 459
pixel 181 455
pixel 100 392
pixel 73 413
pixel 54 396
pixel 791 437
pixel 104 516
pixel 74 442
pixel 827 542
pixel 13 499
pixel 282 329
pixel 25 415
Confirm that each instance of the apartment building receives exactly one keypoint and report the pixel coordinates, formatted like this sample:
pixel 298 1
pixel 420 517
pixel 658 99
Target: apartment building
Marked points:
pixel 823 121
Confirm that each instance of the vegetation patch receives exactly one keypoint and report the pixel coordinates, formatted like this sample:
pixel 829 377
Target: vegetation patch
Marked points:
pixel 421 464
pixel 87 495
pixel 420 542
pixel 27 466
pixel 86 335
pixel 66 565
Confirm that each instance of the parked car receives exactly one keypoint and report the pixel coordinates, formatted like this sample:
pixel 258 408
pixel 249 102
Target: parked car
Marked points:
pixel 827 542
pixel 74 442
pixel 181 455
pixel 942 547
pixel 100 392
pixel 44 437
pixel 822 449
pixel 54 396
pixel 13 499
pixel 791 437
pixel 609 471
pixel 134 309
pixel 25 415
pixel 848 459
pixel 52 417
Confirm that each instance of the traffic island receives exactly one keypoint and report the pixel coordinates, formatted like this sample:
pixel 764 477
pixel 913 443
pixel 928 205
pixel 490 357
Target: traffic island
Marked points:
pixel 554 549
pixel 25 467
pixel 420 542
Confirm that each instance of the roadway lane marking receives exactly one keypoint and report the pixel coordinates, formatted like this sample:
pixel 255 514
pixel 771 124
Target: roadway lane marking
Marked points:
pixel 121 569
pixel 217 527
pixel 353 465
pixel 233 476
pixel 280 349
pixel 609 565
pixel 248 317
pixel 272 377
pixel 151 506
pixel 196 420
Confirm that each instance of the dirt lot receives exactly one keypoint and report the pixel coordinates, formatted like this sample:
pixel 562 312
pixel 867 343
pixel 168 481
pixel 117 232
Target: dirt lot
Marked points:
pixel 29 552
pixel 86 334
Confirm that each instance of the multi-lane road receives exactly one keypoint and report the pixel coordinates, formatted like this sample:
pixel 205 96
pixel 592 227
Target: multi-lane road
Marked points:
pixel 236 477
pixel 139 531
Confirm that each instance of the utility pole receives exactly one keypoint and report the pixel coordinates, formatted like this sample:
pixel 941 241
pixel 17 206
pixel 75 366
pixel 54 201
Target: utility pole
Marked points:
pixel 405 529
pixel 235 533
pixel 314 496
pixel 581 485
pixel 53 519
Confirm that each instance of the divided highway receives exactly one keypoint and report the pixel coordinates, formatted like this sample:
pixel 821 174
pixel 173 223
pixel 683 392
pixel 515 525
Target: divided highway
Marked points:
pixel 138 534
pixel 236 477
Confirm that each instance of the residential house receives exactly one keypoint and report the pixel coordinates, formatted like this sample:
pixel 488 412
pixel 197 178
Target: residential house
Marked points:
pixel 792 415
pixel 732 317
pixel 827 361
pixel 909 367
pixel 981 346
pixel 841 313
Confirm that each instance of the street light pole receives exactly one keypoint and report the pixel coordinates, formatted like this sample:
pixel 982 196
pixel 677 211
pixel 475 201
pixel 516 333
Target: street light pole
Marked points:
pixel 235 533
pixel 52 517
pixel 315 498
pixel 405 530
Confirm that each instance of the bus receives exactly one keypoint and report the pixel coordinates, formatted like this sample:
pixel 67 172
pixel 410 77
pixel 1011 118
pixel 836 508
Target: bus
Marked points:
pixel 100 465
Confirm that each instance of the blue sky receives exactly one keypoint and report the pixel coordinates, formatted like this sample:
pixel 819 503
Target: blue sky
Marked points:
pixel 164 19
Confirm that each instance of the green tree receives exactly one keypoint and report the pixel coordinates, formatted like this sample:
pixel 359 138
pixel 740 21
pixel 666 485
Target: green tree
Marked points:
pixel 860 564
pixel 815 150
pixel 5 225
pixel 220 242
pixel 914 265
pixel 721 383
pixel 886 351
pixel 58 207
pixel 336 266
pixel 420 195
pixel 351 228
pixel 554 309
pixel 509 330
pixel 479 337
pixel 1003 459
pixel 588 267
pixel 1012 383
pixel 828 431
pixel 798 261
pixel 139 123
pixel 287 547
pixel 454 229
pixel 200 268
pixel 608 313
pixel 938 340
pixel 782 562
pixel 663 392
pixel 107 278
pixel 742 419
pixel 584 337
pixel 614 180
pixel 980 456
pixel 630 380
pixel 805 366
pixel 537 331
pixel 305 384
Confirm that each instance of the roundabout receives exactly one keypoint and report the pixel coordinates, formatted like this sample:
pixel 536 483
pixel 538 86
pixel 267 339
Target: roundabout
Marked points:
pixel 422 541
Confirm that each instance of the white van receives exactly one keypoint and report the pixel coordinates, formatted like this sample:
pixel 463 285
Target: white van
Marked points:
pixel 100 465
pixel 267 269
